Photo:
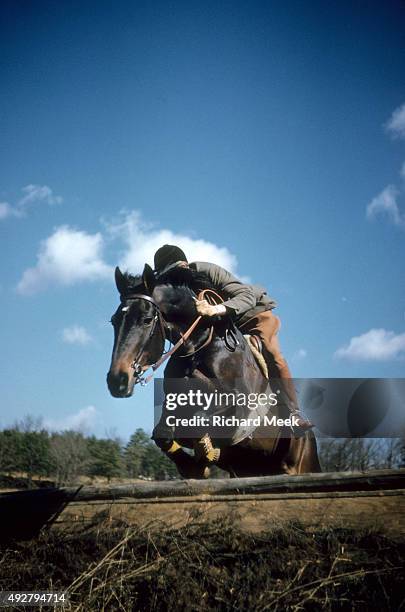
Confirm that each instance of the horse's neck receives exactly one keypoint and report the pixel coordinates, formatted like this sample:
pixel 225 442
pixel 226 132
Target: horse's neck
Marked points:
pixel 231 366
pixel 216 358
pixel 197 338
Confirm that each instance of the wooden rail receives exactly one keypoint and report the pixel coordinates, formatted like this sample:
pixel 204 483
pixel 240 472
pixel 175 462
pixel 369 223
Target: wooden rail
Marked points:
pixel 358 499
pixel 377 480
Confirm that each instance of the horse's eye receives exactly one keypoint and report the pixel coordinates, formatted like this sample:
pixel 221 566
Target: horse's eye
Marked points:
pixel 148 320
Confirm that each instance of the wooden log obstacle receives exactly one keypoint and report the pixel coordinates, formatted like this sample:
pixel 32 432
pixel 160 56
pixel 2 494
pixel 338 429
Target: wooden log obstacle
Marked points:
pixel 374 499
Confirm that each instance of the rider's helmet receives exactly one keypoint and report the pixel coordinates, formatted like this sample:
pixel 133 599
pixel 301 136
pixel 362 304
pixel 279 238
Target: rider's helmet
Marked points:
pixel 167 257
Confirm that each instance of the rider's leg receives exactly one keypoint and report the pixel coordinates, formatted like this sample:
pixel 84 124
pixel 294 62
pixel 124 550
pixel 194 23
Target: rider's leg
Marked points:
pixel 266 325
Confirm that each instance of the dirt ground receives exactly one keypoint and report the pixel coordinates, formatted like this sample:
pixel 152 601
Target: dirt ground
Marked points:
pixel 256 513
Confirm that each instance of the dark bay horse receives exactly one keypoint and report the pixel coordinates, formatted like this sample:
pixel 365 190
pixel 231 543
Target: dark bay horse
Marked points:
pixel 150 312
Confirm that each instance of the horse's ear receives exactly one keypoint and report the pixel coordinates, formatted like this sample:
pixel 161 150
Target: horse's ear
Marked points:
pixel 120 281
pixel 148 278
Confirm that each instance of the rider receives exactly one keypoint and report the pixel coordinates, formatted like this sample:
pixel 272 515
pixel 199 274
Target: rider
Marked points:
pixel 251 309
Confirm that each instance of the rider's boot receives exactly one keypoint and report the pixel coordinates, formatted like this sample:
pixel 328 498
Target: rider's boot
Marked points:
pixel 301 424
pixel 186 465
pixel 205 452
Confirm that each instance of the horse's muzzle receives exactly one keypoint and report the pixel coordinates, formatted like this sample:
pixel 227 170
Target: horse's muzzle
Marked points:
pixel 120 384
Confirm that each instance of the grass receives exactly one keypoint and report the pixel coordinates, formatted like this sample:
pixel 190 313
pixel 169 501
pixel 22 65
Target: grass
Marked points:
pixel 210 566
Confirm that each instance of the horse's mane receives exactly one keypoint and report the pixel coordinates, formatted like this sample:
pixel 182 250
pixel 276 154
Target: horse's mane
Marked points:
pixel 134 284
pixel 186 277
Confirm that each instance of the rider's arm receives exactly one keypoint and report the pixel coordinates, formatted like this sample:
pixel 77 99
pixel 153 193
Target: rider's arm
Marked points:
pixel 239 298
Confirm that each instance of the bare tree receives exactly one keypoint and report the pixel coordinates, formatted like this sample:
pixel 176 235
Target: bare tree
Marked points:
pixel 70 456
pixel 29 423
pixel 349 454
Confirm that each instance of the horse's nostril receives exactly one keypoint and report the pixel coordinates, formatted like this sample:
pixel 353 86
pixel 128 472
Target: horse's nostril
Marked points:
pixel 123 381
pixel 118 383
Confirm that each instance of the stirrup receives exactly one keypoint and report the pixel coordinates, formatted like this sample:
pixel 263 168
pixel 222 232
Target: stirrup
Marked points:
pixel 303 425
pixel 205 451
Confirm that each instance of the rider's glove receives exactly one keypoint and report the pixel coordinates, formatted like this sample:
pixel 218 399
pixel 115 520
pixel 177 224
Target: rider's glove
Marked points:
pixel 209 310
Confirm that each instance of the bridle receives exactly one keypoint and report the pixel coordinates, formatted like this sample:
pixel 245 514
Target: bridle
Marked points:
pixel 158 318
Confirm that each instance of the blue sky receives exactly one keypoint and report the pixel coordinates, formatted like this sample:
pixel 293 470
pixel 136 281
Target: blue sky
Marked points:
pixel 267 136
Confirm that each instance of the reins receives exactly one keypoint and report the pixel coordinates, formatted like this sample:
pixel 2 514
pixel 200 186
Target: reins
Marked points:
pixel 212 297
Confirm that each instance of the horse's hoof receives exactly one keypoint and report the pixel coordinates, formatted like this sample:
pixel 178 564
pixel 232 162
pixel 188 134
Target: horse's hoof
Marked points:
pixel 197 472
pixel 201 473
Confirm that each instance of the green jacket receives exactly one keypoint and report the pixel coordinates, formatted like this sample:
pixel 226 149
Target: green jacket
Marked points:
pixel 242 300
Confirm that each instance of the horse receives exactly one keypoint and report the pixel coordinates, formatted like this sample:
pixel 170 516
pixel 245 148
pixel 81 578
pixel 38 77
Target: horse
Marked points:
pixel 153 310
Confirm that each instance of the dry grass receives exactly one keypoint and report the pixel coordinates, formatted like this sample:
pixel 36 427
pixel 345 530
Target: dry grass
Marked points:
pixel 210 566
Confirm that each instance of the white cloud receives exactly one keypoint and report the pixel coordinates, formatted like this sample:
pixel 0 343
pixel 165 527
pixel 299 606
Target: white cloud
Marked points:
pixel 386 204
pixel 32 195
pixel 300 354
pixel 76 334
pixel 69 255
pixel 142 240
pixel 83 421
pixel 66 257
pixel 396 123
pixel 374 345
pixel 5 210
pixel 37 193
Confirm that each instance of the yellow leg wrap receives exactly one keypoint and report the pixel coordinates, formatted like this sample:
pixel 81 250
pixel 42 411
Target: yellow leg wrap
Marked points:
pixel 213 455
pixel 205 451
pixel 174 447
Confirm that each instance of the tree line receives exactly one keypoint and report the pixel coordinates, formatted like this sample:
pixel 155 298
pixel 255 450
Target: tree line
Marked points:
pixel 64 457
pixel 351 454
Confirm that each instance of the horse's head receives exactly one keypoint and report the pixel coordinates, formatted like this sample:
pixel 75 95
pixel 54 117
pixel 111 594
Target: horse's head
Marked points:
pixel 138 334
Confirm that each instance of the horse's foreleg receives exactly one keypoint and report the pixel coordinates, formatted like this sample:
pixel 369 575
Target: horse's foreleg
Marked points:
pixel 186 465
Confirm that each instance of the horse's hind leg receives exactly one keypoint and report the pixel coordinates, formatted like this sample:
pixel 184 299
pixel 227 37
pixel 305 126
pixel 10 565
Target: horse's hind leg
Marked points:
pixel 303 456
pixel 310 461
